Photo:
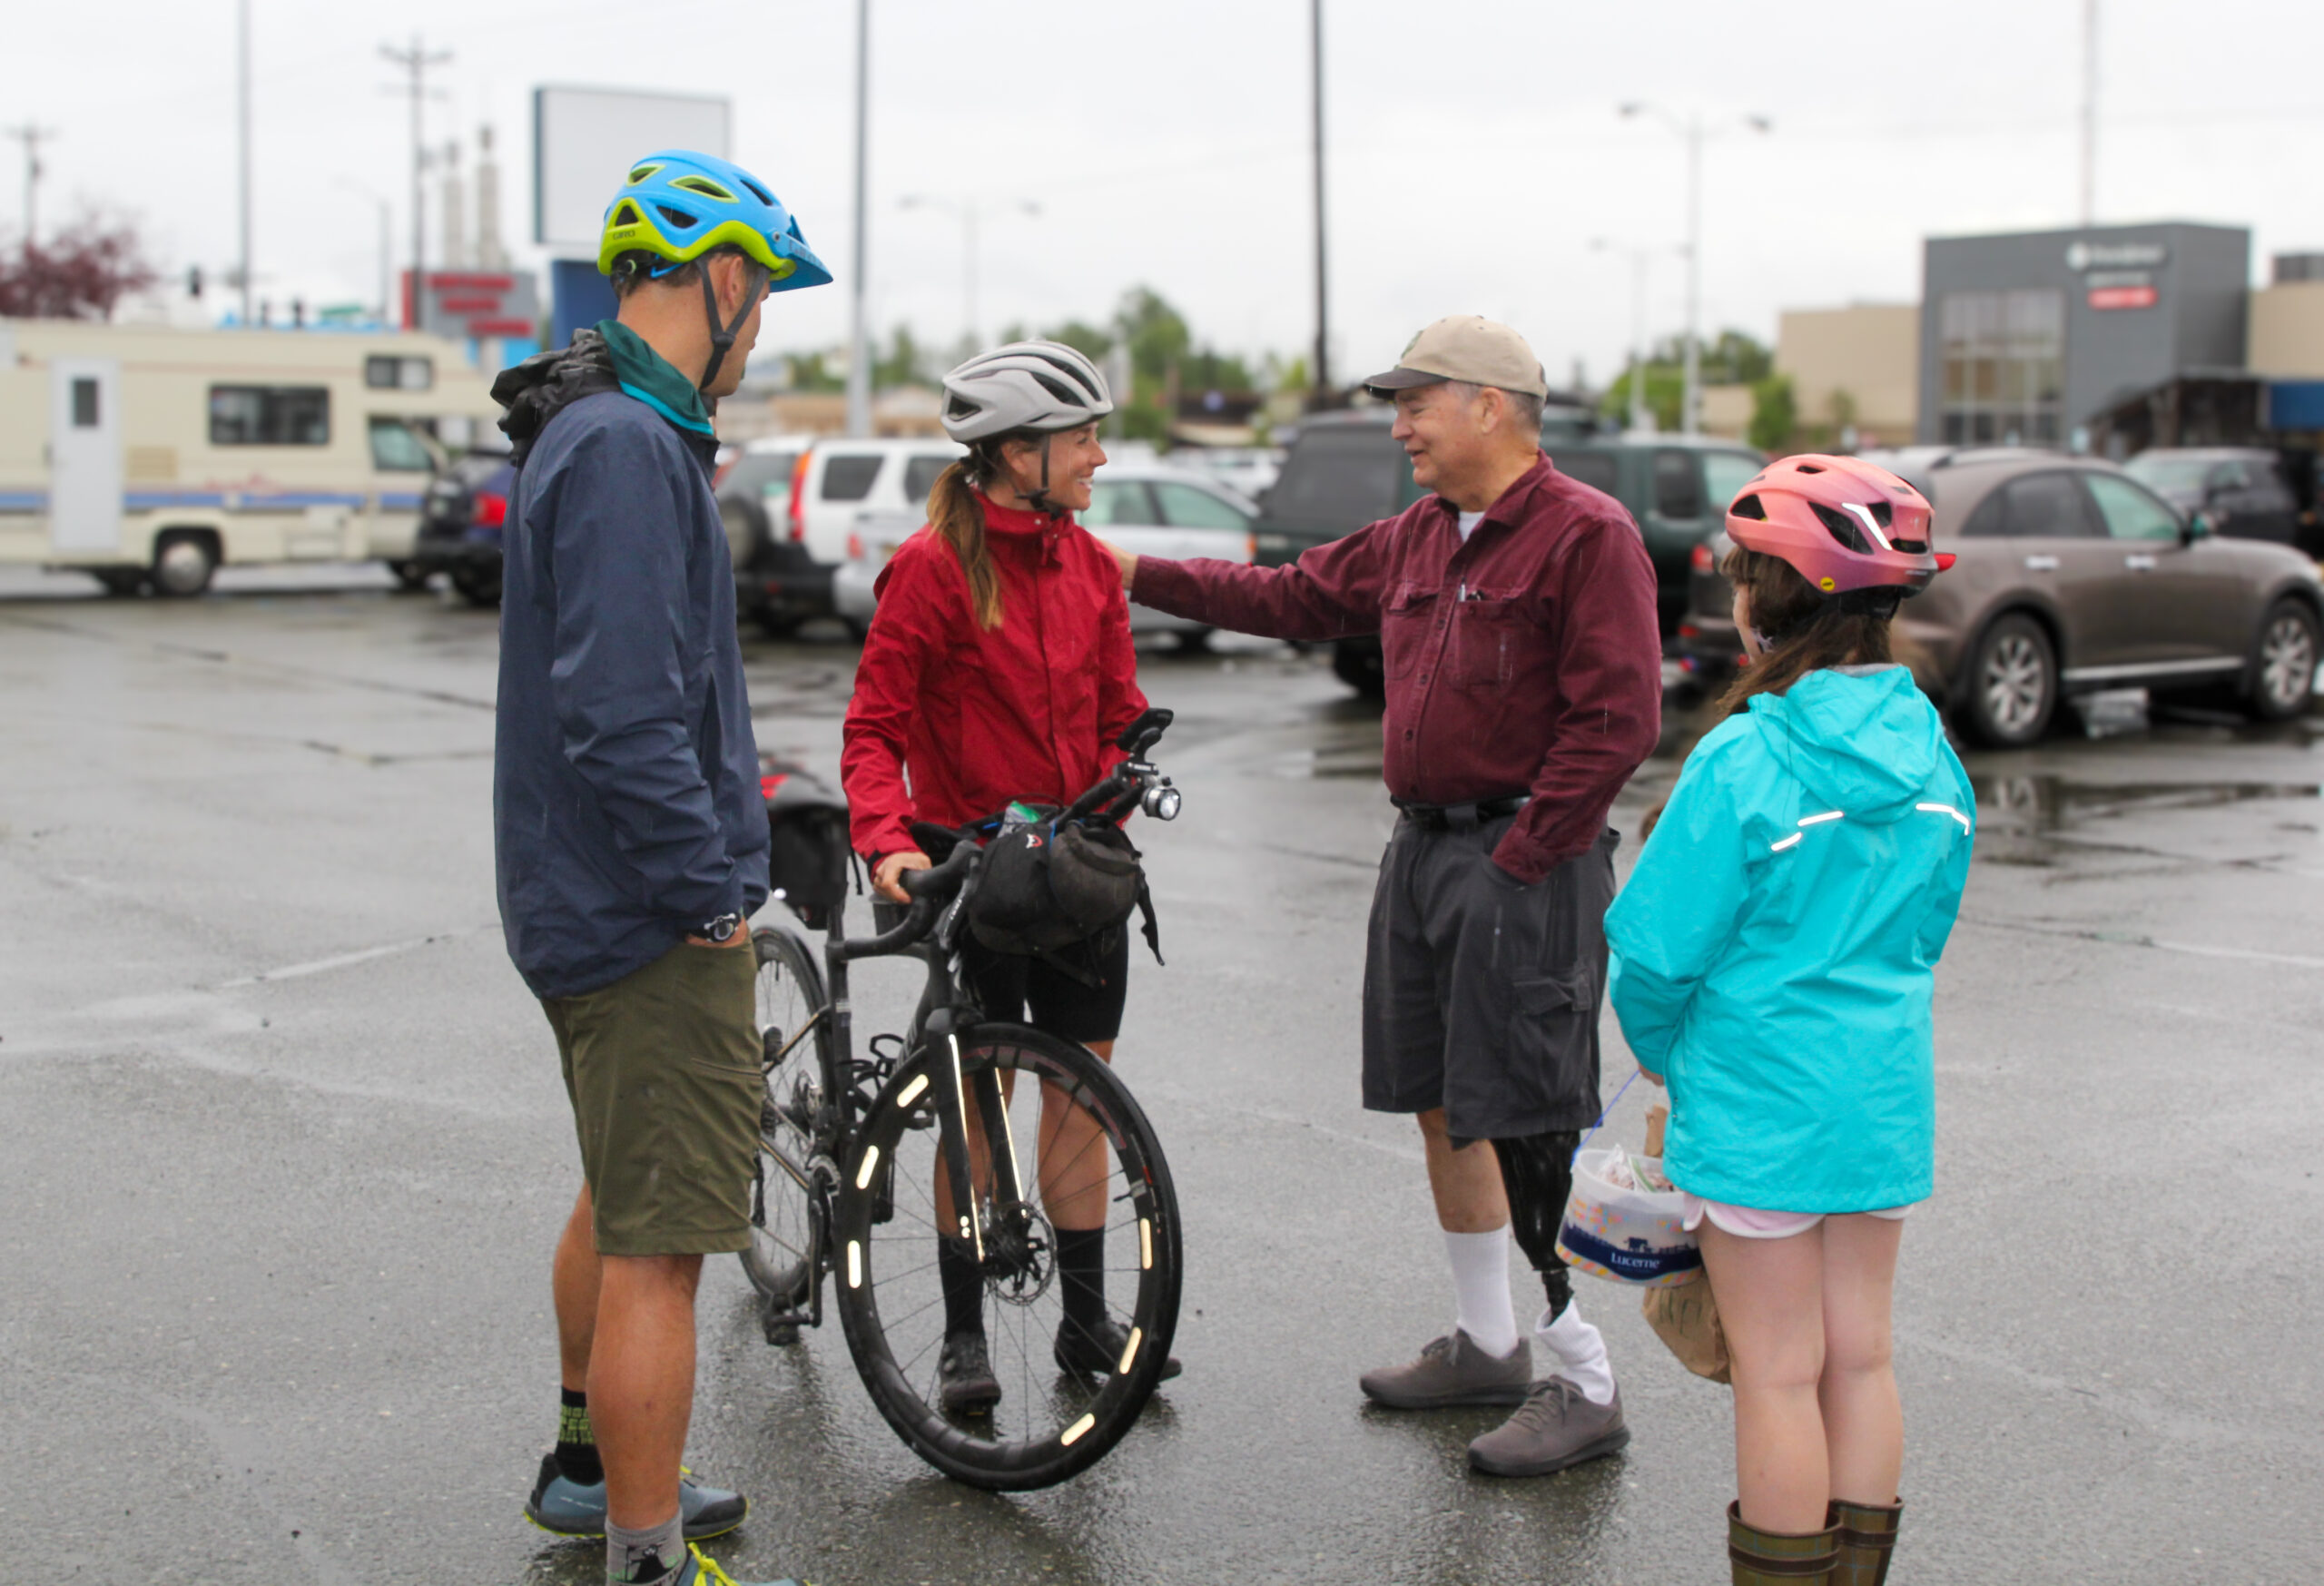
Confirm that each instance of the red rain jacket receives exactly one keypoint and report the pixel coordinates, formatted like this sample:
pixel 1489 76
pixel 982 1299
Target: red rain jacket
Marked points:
pixel 980 716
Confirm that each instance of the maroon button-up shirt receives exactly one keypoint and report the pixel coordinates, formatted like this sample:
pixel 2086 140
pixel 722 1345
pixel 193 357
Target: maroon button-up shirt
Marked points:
pixel 1526 660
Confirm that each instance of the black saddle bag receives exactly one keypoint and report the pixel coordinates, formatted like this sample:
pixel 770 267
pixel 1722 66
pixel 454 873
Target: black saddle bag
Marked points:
pixel 807 845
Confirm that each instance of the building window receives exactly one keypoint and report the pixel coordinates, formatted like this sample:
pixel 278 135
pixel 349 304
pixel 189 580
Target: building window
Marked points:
pixel 2002 358
pixel 386 372
pixel 269 416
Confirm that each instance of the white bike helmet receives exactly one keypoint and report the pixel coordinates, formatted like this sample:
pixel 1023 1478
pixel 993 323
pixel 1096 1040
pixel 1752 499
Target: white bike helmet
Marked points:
pixel 1026 385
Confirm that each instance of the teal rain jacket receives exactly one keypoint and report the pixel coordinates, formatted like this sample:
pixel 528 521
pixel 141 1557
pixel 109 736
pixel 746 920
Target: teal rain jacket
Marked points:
pixel 1773 949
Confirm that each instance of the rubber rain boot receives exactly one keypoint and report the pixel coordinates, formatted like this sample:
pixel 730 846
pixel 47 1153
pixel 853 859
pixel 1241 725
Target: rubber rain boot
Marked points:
pixel 1771 1558
pixel 1868 1538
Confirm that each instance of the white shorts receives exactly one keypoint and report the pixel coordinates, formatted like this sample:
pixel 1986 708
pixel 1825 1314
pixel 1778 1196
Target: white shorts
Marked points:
pixel 1751 1223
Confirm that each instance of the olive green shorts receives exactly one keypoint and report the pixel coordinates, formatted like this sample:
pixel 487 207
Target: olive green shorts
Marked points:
pixel 663 1070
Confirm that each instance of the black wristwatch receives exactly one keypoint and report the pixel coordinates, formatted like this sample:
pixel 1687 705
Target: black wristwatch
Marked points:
pixel 720 930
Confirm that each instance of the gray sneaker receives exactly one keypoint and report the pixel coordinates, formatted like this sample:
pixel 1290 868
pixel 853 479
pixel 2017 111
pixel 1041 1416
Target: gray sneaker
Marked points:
pixel 1556 1427
pixel 1452 1370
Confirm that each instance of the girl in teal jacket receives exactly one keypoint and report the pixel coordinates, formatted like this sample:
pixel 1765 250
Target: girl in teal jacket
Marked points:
pixel 1773 964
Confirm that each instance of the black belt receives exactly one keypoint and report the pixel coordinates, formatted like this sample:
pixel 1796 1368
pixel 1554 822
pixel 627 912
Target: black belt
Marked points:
pixel 1461 817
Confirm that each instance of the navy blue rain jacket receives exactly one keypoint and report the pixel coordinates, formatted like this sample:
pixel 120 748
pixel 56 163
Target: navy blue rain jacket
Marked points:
pixel 626 786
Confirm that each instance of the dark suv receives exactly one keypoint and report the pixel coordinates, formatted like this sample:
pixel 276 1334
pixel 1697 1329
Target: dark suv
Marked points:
pixel 2072 576
pixel 2247 492
pixel 460 521
pixel 1347 471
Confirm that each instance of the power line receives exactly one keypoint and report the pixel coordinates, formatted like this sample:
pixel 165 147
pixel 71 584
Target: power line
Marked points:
pixel 416 60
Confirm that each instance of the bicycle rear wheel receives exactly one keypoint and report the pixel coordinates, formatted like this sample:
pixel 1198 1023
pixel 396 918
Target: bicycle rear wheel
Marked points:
pixel 795 1033
pixel 1104 1169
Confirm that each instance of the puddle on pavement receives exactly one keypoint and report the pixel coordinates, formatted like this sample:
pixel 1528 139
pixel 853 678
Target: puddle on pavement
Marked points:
pixel 2034 802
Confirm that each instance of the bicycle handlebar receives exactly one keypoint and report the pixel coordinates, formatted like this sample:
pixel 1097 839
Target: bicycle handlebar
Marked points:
pixel 928 891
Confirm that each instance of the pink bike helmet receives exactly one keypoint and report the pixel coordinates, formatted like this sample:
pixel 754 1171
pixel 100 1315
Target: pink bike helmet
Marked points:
pixel 1843 524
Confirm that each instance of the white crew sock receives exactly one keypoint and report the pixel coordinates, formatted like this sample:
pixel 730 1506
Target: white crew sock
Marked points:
pixel 1481 1288
pixel 1579 1352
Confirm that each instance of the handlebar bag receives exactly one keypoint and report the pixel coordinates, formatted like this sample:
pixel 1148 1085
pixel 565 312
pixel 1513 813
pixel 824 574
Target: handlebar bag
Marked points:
pixel 807 845
pixel 1047 884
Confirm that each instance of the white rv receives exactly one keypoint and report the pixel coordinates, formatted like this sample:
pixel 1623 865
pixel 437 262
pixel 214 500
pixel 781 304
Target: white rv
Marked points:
pixel 152 455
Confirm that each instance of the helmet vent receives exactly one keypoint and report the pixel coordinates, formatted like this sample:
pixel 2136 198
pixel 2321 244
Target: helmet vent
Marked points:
pixel 1057 389
pixel 961 406
pixel 1911 547
pixel 678 218
pixel 706 187
pixel 626 214
pixel 1069 372
pixel 1748 507
pixel 641 172
pixel 761 194
pixel 1841 529
pixel 1809 468
pixel 1883 514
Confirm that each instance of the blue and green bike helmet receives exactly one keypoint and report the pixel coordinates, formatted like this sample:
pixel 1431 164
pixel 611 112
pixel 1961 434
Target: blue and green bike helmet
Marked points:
pixel 679 205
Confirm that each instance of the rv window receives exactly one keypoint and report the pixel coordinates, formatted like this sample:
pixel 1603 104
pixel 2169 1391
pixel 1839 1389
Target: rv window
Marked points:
pixel 395 449
pixel 386 372
pixel 84 404
pixel 269 416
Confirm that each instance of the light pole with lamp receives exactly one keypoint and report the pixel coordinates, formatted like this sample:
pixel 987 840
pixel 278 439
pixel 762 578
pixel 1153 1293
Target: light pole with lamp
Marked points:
pixel 968 210
pixel 1692 132
pixel 1638 257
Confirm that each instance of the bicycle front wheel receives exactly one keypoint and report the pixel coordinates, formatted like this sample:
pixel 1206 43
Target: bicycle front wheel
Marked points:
pixel 794 1029
pixel 1071 1270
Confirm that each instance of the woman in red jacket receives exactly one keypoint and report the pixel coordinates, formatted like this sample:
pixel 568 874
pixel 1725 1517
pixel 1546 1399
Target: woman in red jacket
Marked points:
pixel 998 667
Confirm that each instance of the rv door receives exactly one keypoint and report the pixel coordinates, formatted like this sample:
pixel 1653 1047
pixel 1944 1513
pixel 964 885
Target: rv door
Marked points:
pixel 84 456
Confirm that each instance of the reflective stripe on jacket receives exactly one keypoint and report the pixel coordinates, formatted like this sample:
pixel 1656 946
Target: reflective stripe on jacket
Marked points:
pixel 1772 950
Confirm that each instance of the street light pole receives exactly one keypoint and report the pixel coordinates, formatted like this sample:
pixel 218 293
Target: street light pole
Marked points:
pixel 858 336
pixel 1323 378
pixel 1692 132
pixel 242 154
pixel 32 136
pixel 969 213
pixel 416 60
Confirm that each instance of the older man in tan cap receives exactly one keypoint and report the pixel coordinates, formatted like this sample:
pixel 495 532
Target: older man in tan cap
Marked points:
pixel 1515 610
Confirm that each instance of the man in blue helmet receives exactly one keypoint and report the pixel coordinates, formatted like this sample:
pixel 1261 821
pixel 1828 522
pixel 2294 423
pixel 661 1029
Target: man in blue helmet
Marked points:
pixel 631 838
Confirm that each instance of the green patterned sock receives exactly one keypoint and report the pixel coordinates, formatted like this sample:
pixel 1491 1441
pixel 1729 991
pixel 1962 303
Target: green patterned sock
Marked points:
pixel 576 1442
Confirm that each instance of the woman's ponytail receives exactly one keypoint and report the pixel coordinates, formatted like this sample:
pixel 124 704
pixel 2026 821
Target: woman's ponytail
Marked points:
pixel 958 519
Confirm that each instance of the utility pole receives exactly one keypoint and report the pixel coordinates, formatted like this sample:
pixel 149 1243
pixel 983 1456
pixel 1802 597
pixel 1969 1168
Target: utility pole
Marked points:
pixel 1692 133
pixel 1323 375
pixel 2089 111
pixel 242 150
pixel 859 334
pixel 32 136
pixel 416 60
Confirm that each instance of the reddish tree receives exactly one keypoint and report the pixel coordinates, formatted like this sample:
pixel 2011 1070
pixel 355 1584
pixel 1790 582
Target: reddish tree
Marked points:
pixel 80 273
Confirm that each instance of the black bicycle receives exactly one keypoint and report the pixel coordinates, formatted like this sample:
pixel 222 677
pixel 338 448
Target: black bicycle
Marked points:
pixel 865 1162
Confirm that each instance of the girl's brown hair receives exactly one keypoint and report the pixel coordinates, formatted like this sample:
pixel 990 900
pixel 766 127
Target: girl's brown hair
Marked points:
pixel 958 519
pixel 1805 631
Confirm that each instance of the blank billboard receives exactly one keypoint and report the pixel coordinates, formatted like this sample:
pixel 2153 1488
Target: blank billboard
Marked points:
pixel 586 139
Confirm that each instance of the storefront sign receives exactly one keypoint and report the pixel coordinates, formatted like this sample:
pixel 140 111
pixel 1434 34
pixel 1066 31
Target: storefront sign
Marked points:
pixel 2083 256
pixel 2123 297
pixel 472 304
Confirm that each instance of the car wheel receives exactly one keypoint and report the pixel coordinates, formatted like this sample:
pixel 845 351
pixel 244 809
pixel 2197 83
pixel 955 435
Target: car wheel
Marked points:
pixel 1193 641
pixel 183 564
pixel 410 577
pixel 2011 689
pixel 2283 663
pixel 478 586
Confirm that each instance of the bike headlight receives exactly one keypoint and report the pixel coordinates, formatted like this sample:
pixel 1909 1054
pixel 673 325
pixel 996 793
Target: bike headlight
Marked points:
pixel 1162 802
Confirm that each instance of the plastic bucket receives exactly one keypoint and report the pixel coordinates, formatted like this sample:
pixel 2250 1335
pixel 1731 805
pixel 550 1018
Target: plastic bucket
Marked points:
pixel 1627 1235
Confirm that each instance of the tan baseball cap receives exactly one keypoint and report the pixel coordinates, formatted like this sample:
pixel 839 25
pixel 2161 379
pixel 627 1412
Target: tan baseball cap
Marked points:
pixel 1465 347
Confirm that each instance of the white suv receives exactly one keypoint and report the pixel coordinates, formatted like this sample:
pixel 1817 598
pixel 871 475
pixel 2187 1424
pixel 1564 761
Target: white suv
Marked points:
pixel 839 481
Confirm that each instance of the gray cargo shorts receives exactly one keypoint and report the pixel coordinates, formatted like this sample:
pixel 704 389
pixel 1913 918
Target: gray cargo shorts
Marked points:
pixel 1480 994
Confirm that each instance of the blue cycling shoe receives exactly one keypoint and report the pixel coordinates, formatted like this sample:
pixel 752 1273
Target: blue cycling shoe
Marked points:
pixel 569 1509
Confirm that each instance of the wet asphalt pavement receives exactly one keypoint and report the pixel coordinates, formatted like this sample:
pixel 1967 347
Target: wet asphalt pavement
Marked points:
pixel 286 1153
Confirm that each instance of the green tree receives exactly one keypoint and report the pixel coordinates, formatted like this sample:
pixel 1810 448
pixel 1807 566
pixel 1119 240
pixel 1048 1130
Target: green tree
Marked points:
pixel 902 364
pixel 1665 389
pixel 810 373
pixel 1775 413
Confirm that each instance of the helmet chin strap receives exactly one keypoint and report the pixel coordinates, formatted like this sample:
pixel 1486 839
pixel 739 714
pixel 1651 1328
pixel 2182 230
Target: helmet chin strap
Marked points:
pixel 723 337
pixel 1039 499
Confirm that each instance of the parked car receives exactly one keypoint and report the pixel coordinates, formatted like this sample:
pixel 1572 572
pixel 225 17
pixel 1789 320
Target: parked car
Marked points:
pixel 1347 471
pixel 776 581
pixel 1250 471
pixel 2247 492
pixel 1151 510
pixel 836 482
pixel 461 516
pixel 2072 576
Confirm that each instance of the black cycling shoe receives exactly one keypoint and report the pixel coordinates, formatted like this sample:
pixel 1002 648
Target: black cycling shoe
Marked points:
pixel 964 1377
pixel 1096 1354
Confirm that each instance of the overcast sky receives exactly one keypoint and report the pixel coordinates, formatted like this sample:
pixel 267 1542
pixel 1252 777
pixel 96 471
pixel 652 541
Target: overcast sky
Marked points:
pixel 1475 151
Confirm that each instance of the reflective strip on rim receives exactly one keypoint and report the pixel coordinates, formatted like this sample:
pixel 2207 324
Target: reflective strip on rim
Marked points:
pixel 870 1162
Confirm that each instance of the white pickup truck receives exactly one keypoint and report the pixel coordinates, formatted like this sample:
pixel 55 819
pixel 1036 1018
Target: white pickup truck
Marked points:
pixel 1149 509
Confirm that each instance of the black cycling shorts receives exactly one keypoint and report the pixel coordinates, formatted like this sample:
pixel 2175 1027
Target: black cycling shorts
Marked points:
pixel 1016 988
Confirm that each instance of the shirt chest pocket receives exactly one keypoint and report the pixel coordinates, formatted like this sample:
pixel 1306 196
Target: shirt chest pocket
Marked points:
pixel 1406 626
pixel 1489 633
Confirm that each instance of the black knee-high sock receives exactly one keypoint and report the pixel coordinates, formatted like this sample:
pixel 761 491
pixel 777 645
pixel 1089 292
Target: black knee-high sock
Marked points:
pixel 956 1268
pixel 577 1440
pixel 1081 1275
